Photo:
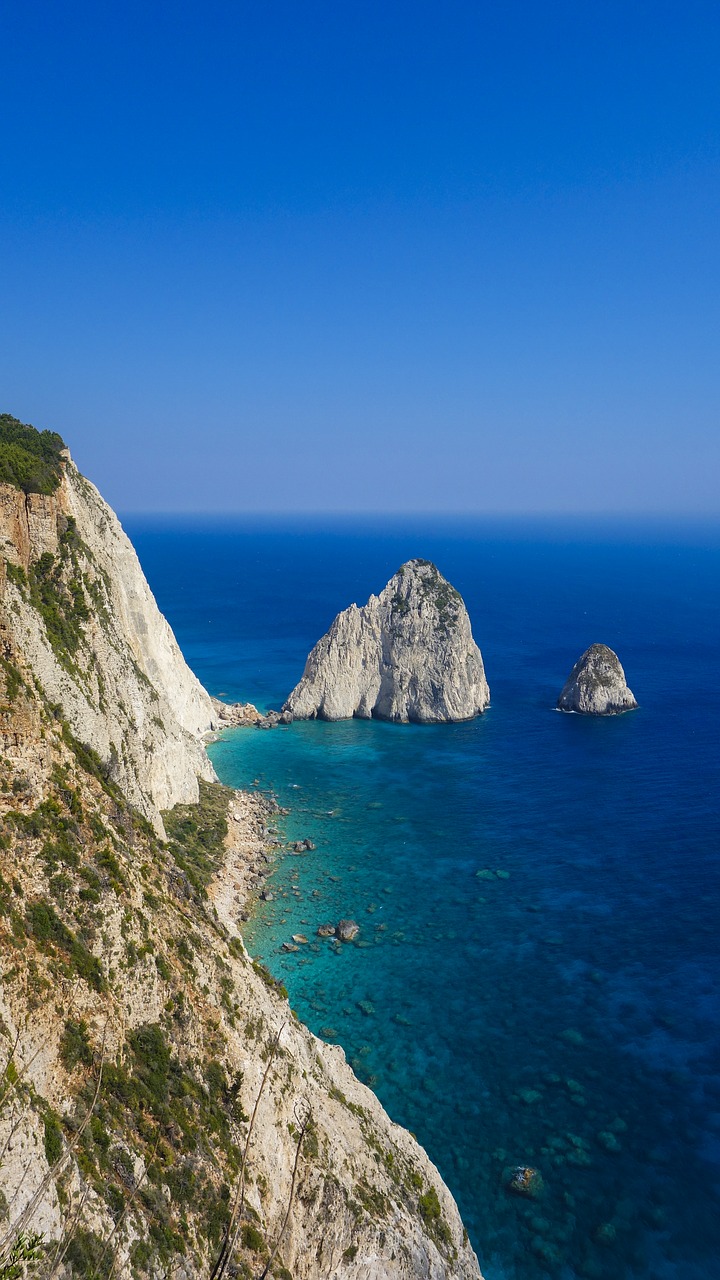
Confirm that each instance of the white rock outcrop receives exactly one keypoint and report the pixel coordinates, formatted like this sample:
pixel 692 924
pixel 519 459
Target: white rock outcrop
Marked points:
pixel 125 689
pixel 596 685
pixel 407 655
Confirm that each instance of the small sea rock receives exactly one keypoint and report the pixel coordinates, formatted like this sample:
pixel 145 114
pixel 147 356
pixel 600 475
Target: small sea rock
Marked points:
pixel 326 931
pixel 596 685
pixel 523 1180
pixel 346 930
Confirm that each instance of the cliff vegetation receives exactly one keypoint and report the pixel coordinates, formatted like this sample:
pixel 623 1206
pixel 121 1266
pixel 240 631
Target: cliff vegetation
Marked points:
pixel 30 460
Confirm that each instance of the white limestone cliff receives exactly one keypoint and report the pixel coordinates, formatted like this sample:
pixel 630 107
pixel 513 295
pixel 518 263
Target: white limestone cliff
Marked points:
pixel 407 655
pixel 120 678
pixel 596 685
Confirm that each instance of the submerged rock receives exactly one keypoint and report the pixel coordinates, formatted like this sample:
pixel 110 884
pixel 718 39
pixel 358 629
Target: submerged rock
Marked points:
pixel 407 655
pixel 596 685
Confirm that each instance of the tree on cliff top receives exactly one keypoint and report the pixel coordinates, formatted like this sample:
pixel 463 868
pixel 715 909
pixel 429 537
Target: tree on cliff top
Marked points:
pixel 29 459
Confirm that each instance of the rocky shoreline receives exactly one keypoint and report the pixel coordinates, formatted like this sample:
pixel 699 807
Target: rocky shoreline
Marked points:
pixel 244 715
pixel 251 846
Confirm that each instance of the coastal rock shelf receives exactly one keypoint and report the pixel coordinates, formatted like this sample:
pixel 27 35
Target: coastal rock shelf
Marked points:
pixel 596 685
pixel 407 655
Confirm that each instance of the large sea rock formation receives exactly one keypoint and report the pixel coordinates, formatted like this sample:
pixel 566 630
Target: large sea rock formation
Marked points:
pixel 407 655
pixel 136 1033
pixel 596 685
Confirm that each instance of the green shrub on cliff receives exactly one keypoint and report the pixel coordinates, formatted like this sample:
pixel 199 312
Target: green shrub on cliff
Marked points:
pixel 29 459
pixel 57 592
pixel 196 834
pixel 431 1214
pixel 27 1248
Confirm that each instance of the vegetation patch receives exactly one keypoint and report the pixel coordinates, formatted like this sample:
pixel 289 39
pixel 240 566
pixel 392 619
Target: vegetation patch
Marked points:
pixel 28 1247
pixel 431 1214
pixel 274 984
pixel 88 1256
pixel 29 459
pixel 52 1138
pixel 372 1200
pixel 196 834
pixel 91 763
pixel 48 930
pixel 445 598
pixel 13 680
pixel 252 1238
pixel 57 592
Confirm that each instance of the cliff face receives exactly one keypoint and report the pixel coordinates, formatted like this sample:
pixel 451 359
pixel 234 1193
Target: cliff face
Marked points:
pixel 596 685
pixel 407 655
pixel 157 1088
pixel 78 607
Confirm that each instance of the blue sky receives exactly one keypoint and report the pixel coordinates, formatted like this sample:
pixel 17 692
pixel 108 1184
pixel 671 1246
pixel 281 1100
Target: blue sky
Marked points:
pixel 399 256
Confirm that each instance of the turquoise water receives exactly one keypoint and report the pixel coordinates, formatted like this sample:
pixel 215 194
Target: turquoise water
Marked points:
pixel 564 1012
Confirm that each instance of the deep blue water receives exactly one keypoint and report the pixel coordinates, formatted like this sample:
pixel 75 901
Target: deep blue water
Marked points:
pixel 564 1014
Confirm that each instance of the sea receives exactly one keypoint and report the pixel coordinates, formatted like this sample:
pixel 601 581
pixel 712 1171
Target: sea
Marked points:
pixel 535 980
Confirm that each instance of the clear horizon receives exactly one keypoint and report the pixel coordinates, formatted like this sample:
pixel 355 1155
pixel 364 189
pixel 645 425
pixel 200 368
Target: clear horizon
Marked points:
pixel 402 258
